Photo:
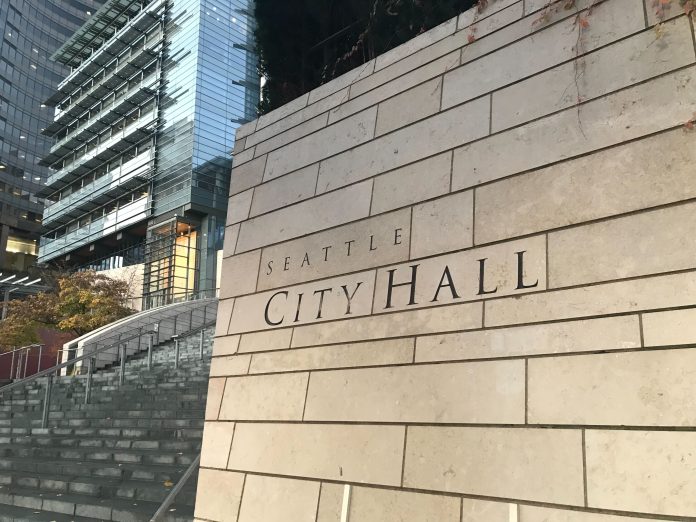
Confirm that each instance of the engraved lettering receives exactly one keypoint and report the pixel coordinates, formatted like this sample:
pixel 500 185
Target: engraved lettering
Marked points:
pixel 268 305
pixel 412 283
pixel 450 284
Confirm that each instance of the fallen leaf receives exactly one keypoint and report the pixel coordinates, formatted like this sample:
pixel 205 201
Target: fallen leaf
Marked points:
pixel 168 483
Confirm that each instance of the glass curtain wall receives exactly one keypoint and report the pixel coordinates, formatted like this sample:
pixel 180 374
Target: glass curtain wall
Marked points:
pixel 31 30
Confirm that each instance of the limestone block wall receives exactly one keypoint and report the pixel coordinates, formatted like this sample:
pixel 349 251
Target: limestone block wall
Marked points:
pixel 459 282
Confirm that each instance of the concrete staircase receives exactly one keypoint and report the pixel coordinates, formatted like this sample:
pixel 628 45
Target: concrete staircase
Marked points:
pixel 116 458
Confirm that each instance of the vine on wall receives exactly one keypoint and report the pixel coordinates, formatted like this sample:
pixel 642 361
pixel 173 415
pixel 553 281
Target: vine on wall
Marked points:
pixel 662 8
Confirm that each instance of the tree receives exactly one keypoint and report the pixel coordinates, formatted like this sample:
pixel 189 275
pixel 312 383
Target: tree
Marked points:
pixel 305 43
pixel 82 302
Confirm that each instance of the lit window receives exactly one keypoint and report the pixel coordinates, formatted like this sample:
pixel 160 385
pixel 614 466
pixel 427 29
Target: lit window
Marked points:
pixel 18 245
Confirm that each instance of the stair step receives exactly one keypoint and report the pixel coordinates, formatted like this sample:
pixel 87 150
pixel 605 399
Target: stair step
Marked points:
pixel 101 487
pixel 20 514
pixel 110 470
pixel 89 507
pixel 115 458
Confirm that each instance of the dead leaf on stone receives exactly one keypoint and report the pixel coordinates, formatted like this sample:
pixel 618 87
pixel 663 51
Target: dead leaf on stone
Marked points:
pixel 168 483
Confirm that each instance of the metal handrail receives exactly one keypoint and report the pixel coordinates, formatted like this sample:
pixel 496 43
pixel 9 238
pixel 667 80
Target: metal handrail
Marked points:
pixel 176 490
pixel 35 345
pixel 92 359
pixel 23 351
pixel 58 367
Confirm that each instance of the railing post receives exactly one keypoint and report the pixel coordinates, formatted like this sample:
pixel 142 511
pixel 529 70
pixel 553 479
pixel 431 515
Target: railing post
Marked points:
pixel 157 331
pixel 176 352
pixel 200 345
pixel 205 309
pixel 12 364
pixel 26 362
pixel 88 387
pixel 47 401
pixel 122 375
pixel 174 331
pixel 149 352
pixel 38 369
pixel 191 320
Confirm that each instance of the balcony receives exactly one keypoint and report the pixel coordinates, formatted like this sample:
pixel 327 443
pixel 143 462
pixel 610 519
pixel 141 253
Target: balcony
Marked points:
pixel 113 222
pixel 101 88
pixel 137 26
pixel 113 146
pixel 107 116
pixel 111 186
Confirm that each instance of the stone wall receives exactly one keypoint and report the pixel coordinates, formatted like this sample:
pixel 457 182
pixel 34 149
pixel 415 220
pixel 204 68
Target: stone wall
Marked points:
pixel 459 282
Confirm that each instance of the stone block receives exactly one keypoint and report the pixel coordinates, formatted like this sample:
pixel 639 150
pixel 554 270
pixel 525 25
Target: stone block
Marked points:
pixel 284 191
pixel 244 156
pixel 595 74
pixel 479 510
pixel 514 267
pixel 226 345
pixel 540 465
pixel 264 341
pixel 541 514
pixel 212 405
pixel 238 207
pixel 299 131
pixel 360 101
pixel 264 397
pixel 336 298
pixel 426 138
pixel 229 365
pixel 611 21
pixel 375 353
pixel 217 439
pixel 465 316
pixel 454 214
pixel 240 274
pixel 219 494
pixel 472 393
pixel 357 246
pixel 239 146
pixel 330 502
pixel 224 313
pixel 383 505
pixel 637 175
pixel 282 112
pixel 247 175
pixel 421 41
pixel 245 130
pixel 642 471
pixel 635 112
pixel 348 79
pixel 271 499
pixel 670 328
pixel 354 453
pixel 336 138
pixel 412 184
pixel 329 210
pixel 623 389
pixel 230 242
pixel 609 333
pixel 296 118
pixel 409 106
pixel 636 245
pixel 652 293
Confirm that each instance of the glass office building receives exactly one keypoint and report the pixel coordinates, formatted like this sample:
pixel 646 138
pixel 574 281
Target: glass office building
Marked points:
pixel 142 137
pixel 31 31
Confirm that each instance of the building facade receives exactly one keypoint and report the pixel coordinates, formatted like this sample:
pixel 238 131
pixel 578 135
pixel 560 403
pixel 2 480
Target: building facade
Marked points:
pixel 143 131
pixel 31 31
